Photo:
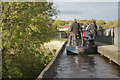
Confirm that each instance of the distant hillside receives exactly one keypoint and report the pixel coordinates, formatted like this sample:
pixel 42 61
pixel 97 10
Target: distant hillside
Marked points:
pixel 101 23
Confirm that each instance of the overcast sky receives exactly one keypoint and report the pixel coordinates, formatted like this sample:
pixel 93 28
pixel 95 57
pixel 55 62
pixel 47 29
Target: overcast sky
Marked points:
pixel 83 10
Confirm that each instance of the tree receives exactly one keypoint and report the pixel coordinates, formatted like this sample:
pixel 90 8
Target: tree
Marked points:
pixel 25 28
pixel 92 20
pixel 101 22
pixel 69 21
pixel 58 23
pixel 109 24
pixel 116 23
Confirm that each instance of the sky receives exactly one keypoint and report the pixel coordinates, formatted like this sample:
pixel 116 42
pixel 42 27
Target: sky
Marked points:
pixel 83 9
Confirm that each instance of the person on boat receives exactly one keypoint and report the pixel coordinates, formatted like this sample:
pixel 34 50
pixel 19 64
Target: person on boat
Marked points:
pixel 75 29
pixel 87 26
pixel 92 28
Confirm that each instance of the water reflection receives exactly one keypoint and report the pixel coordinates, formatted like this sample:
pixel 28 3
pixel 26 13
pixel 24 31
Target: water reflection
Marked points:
pixel 85 66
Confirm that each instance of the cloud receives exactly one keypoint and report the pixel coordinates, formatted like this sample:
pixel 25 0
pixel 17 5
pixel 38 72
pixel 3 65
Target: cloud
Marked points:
pixel 68 12
pixel 87 10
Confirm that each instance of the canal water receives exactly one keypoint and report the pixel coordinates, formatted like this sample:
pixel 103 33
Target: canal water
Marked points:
pixel 86 66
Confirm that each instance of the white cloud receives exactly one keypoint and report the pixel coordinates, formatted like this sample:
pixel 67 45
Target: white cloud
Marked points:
pixel 87 10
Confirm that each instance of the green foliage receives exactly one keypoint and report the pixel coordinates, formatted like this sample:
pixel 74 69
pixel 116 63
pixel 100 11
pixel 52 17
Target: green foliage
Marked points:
pixel 90 20
pixel 83 22
pixel 116 23
pixel 109 24
pixel 112 24
pixel 69 21
pixel 25 28
pixel 54 50
pixel 101 22
pixel 57 23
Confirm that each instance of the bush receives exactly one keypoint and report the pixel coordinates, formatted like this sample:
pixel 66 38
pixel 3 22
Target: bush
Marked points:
pixel 25 28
